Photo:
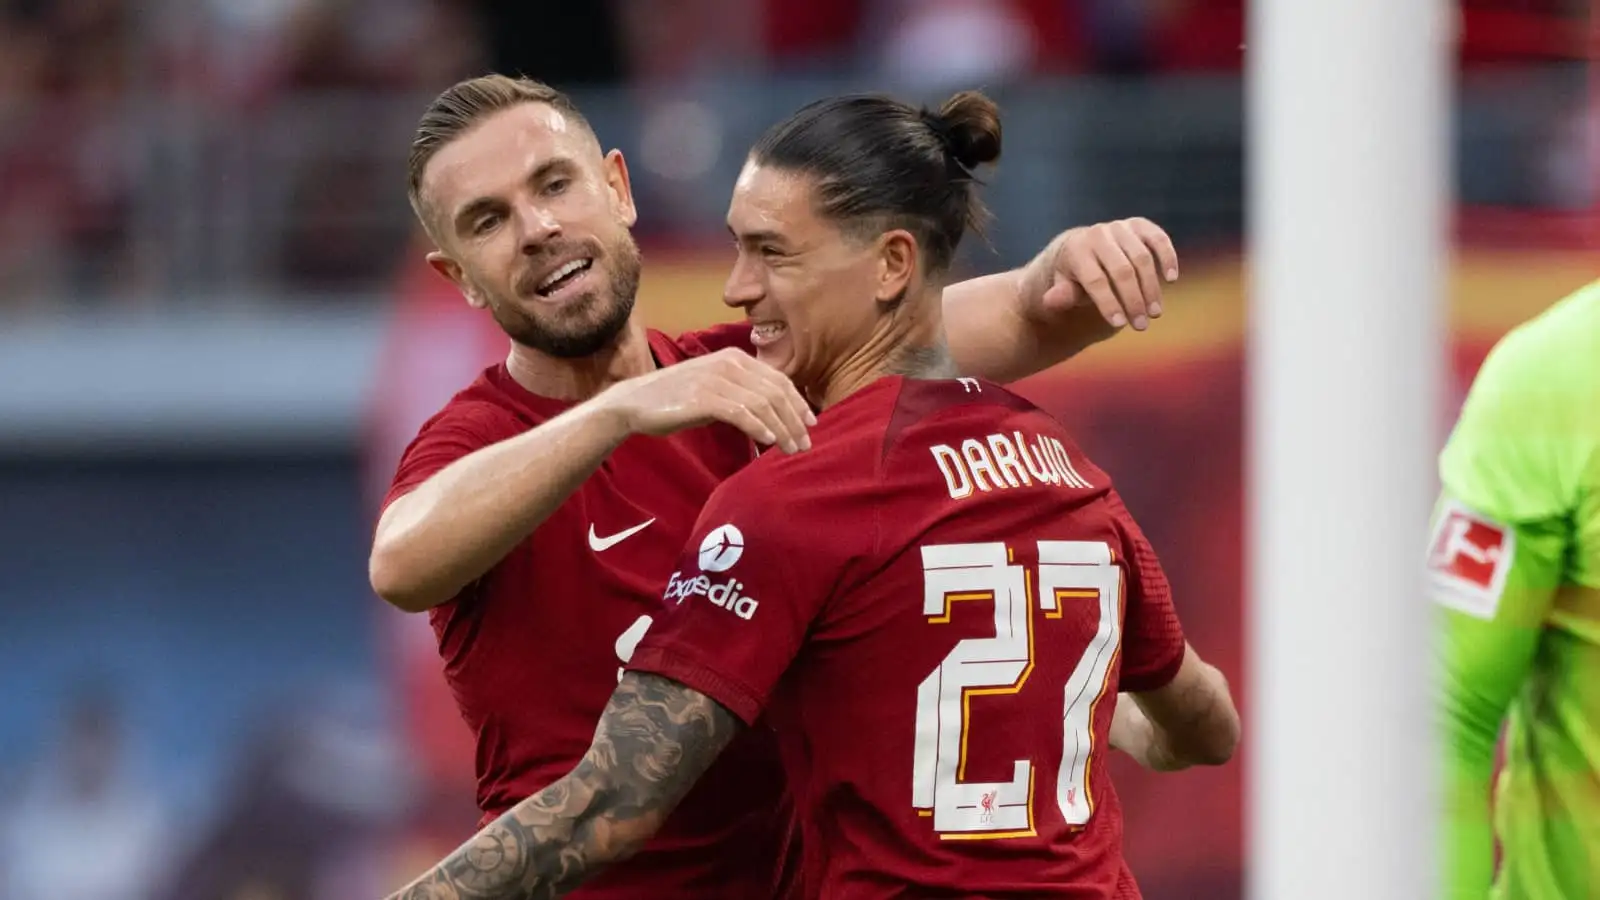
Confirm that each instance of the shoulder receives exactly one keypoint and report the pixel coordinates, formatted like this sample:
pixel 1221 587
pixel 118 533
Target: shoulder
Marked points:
pixel 481 414
pixel 480 408
pixel 778 485
pixel 967 400
pixel 972 408
pixel 845 442
pixel 854 440
pixel 1554 354
pixel 691 344
pixel 1530 427
pixel 796 492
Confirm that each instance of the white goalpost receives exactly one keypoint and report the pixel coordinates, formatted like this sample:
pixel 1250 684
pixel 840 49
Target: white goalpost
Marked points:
pixel 1348 124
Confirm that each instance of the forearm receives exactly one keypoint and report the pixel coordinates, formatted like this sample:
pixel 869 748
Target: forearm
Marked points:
pixel 1208 733
pixel 998 330
pixel 545 846
pixel 1468 828
pixel 1192 720
pixel 654 741
pixel 1483 665
pixel 458 524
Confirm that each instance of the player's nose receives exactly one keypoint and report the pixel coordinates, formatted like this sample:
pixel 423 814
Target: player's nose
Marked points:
pixel 744 287
pixel 536 227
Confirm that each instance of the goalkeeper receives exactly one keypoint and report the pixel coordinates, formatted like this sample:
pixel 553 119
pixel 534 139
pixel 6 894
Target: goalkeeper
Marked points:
pixel 1515 562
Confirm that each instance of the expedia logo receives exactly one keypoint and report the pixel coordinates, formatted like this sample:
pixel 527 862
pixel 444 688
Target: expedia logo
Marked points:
pixel 724 594
pixel 721 548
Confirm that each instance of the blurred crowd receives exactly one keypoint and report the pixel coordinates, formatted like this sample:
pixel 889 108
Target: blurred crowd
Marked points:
pixel 176 147
pixel 138 140
pixel 308 812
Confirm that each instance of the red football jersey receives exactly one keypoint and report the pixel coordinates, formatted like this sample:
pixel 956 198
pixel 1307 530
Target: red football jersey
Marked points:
pixel 935 607
pixel 533 649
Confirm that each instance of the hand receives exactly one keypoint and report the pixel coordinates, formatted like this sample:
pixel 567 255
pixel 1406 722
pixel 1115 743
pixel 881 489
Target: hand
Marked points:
pixel 1135 734
pixel 1130 727
pixel 726 386
pixel 1118 267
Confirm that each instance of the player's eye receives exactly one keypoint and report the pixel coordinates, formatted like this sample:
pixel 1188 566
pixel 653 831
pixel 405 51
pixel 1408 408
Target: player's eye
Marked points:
pixel 485 224
pixel 557 186
pixel 770 252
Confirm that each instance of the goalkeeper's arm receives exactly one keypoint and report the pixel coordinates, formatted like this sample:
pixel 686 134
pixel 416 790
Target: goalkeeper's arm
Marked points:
pixel 1489 635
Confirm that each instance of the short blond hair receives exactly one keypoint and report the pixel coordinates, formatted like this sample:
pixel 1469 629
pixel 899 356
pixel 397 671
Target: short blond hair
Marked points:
pixel 462 106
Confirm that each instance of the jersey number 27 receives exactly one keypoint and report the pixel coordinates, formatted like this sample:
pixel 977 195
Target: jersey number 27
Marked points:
pixel 999 665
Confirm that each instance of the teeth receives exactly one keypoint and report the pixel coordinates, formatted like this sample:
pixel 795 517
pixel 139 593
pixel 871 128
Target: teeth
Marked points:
pixel 563 272
pixel 767 329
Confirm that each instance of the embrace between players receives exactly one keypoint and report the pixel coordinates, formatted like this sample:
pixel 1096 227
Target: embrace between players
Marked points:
pixel 886 657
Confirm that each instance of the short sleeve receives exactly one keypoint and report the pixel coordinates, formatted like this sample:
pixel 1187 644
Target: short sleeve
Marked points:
pixel 738 606
pixel 454 432
pixel 1152 637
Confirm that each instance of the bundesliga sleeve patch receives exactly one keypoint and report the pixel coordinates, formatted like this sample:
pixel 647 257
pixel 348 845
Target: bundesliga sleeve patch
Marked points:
pixel 1468 559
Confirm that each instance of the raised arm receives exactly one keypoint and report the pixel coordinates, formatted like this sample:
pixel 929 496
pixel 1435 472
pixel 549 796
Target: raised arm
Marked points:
pixel 1083 287
pixel 655 739
pixel 459 523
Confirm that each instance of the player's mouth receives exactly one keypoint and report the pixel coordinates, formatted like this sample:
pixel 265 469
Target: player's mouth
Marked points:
pixel 765 334
pixel 565 280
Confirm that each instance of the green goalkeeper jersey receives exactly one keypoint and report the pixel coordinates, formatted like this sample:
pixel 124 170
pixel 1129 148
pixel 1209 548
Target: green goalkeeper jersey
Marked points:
pixel 1514 561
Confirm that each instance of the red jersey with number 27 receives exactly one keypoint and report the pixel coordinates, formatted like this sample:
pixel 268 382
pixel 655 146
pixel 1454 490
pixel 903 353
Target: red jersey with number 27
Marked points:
pixel 935 608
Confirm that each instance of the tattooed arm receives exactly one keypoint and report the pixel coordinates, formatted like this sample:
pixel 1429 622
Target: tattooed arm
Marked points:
pixel 655 739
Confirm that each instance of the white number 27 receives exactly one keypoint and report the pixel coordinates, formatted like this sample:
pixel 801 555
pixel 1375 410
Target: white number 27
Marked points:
pixel 1078 571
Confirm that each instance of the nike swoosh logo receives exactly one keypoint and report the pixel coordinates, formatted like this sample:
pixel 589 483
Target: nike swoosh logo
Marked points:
pixel 597 543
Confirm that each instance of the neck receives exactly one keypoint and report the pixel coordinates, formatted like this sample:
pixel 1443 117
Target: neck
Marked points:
pixel 909 341
pixel 579 379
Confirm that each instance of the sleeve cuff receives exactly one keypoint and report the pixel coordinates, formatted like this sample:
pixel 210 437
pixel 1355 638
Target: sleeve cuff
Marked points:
pixel 1155 678
pixel 730 692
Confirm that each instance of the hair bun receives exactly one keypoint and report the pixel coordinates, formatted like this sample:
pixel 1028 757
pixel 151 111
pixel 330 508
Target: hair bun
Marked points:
pixel 969 125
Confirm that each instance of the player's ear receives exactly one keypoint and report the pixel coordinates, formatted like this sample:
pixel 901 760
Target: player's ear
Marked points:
pixel 897 264
pixel 620 187
pixel 452 271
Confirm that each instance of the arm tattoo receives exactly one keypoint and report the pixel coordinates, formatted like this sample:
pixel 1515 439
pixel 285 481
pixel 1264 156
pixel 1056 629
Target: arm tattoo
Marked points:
pixel 655 739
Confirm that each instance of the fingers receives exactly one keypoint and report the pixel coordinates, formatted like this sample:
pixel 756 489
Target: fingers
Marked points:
pixel 1156 239
pixel 1144 265
pixel 731 409
pixel 1097 262
pixel 726 386
pixel 770 397
pixel 1122 273
pixel 1104 297
pixel 781 390
pixel 1121 266
pixel 762 413
pixel 793 413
